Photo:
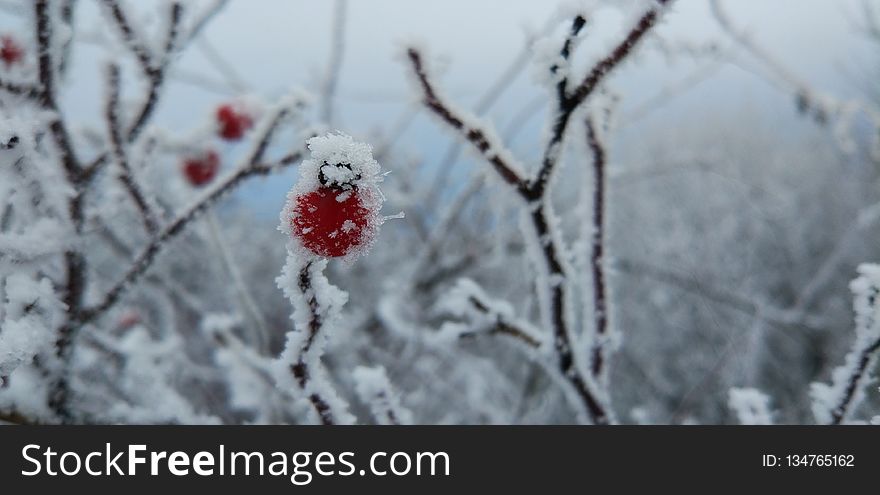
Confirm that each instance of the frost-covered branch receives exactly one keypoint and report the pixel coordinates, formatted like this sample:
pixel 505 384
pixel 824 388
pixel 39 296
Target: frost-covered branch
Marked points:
pixel 483 315
pixel 484 140
pixel 252 165
pixel 156 73
pixel 822 108
pixel 374 389
pixel 569 101
pixel 597 250
pixel 74 261
pixel 153 66
pixel 19 89
pixel 555 280
pixel 834 403
pixel 316 304
pixel 118 150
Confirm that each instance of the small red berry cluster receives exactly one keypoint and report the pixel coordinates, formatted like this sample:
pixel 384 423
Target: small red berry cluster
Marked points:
pixel 232 122
pixel 11 51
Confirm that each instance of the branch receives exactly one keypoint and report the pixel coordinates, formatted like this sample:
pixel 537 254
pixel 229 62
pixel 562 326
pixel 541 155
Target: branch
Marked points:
pixel 374 389
pixel 252 165
pixel 74 261
pixel 25 90
pixel 156 74
pixel 568 102
pixel 129 39
pixel 834 403
pixel 544 232
pixel 597 245
pixel 316 304
pixel 502 326
pixel 205 17
pixel 118 150
pixel 46 97
pixel 486 101
pixel 484 141
pixel 565 53
pixel 337 47
pixel 866 356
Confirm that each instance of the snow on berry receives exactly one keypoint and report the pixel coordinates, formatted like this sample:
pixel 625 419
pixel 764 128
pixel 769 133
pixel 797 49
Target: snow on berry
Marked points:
pixel 201 168
pixel 234 119
pixel 11 51
pixel 333 210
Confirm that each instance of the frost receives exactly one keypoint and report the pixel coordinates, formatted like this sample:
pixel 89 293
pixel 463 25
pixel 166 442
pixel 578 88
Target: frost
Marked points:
pixel 752 407
pixel 374 389
pixel 316 313
pixel 31 313
pixel 834 402
pixel 338 161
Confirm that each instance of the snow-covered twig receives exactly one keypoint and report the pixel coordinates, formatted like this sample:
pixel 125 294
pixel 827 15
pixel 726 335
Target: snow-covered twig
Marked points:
pixel 316 304
pixel 74 261
pixel 568 101
pixel 468 301
pixel 153 65
pixel 118 150
pixel 834 403
pixel 597 250
pixel 374 389
pixel 482 139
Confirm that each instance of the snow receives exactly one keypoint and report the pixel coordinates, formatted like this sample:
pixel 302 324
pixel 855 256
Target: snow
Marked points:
pixel 752 407
pixel 31 312
pixel 374 389
pixel 348 165
pixel 304 346
pixel 833 398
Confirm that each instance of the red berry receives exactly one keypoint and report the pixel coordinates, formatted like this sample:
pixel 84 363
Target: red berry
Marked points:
pixel 331 222
pixel 10 51
pixel 233 122
pixel 201 169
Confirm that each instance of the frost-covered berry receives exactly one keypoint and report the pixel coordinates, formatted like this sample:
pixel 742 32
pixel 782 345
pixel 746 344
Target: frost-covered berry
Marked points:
pixel 11 51
pixel 328 226
pixel 233 121
pixel 333 210
pixel 202 168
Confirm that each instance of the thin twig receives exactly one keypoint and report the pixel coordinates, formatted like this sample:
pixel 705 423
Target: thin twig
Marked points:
pixel 300 369
pixel 503 327
pixel 118 149
pixel 475 134
pixel 597 248
pixel 568 102
pixel 865 357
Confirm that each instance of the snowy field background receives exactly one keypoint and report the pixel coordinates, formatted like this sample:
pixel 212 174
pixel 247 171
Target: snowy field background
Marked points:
pixel 698 251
